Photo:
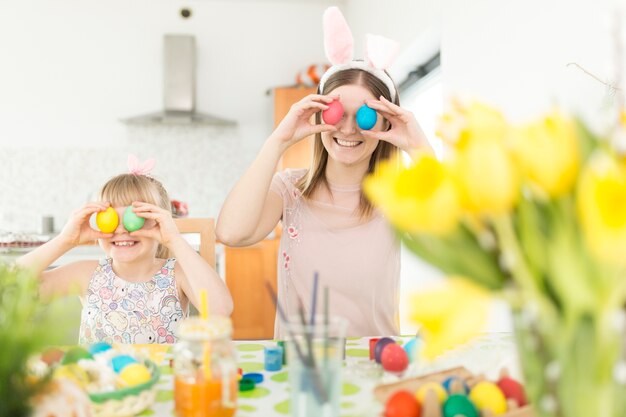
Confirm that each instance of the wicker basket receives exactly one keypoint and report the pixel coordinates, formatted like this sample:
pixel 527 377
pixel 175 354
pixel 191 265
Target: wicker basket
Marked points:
pixel 129 401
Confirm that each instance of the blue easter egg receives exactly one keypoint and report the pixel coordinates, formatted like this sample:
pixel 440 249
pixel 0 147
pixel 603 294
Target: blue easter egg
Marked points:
pixel 366 117
pixel 412 348
pixel 120 362
pixel 448 382
pixel 99 347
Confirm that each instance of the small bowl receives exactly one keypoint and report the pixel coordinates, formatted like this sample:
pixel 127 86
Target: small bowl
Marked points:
pixel 129 401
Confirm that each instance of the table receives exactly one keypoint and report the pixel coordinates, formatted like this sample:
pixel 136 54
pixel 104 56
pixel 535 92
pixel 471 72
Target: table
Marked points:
pixel 487 354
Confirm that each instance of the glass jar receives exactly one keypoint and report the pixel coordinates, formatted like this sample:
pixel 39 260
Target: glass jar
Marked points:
pixel 205 368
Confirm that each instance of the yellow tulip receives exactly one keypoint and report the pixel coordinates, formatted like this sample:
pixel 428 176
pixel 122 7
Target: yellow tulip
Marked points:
pixel 421 198
pixel 548 155
pixel 449 315
pixel 466 122
pixel 486 176
pixel 602 208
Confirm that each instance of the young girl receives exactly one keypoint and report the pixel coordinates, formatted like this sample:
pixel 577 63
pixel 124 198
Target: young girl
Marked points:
pixel 137 293
pixel 328 225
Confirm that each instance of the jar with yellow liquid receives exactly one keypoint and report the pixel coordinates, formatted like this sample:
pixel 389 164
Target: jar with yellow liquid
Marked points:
pixel 205 368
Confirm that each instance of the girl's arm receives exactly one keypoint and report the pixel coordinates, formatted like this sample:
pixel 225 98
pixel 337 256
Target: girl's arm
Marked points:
pixel 197 273
pixel 251 211
pixel 76 232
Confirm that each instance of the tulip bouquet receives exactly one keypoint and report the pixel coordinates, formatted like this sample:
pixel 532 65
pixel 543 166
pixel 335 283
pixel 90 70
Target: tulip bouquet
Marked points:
pixel 536 213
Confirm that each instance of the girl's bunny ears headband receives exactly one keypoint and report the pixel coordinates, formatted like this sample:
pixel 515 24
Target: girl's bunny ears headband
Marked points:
pixel 339 45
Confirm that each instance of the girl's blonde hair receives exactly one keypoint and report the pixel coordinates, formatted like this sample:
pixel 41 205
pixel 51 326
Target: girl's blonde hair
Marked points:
pixel 123 189
pixel 316 176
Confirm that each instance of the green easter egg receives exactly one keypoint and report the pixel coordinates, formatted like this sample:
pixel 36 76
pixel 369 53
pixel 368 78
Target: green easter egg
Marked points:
pixel 131 221
pixel 74 355
pixel 459 405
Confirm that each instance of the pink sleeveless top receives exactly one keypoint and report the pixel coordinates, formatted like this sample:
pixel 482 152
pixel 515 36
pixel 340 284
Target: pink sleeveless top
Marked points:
pixel 359 261
pixel 116 310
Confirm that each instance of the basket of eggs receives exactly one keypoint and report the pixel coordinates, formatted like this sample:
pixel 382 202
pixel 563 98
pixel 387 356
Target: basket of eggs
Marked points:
pixel 118 383
pixel 452 393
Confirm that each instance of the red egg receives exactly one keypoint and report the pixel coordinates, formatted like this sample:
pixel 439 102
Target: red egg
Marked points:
pixel 512 390
pixel 333 114
pixel 402 404
pixel 394 358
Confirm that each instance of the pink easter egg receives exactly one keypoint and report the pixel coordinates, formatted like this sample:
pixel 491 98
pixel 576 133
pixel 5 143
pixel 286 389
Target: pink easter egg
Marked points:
pixel 333 114
pixel 394 358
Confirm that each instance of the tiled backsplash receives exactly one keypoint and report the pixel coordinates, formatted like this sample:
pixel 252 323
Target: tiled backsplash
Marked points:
pixel 197 165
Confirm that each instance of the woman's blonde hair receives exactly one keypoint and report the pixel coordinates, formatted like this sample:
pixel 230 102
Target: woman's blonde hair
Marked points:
pixel 123 189
pixel 316 176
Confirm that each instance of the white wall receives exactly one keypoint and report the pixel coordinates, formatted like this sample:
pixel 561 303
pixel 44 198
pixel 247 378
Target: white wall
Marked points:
pixel 514 54
pixel 70 69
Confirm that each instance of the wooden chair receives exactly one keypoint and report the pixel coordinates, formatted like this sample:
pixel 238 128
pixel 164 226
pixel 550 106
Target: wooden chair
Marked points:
pixel 205 227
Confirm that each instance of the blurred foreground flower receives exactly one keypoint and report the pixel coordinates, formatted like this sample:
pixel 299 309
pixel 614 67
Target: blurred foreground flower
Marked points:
pixel 449 315
pixel 538 210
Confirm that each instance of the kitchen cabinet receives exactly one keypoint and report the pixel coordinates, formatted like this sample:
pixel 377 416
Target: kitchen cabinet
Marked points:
pixel 299 154
pixel 247 270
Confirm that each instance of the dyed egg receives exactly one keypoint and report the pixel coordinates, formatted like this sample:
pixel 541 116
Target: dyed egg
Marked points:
pixel 487 395
pixel 459 405
pixel 441 393
pixel 449 382
pixel 134 374
pixel 366 117
pixel 52 356
pixel 394 358
pixel 74 355
pixel 411 348
pixel 513 390
pixel 402 404
pixel 99 347
pixel 333 114
pixel 74 373
pixel 107 220
pixel 120 362
pixel 380 345
pixel 131 221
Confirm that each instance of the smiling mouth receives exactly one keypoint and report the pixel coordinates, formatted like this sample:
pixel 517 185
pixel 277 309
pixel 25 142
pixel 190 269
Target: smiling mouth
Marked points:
pixel 347 143
pixel 124 243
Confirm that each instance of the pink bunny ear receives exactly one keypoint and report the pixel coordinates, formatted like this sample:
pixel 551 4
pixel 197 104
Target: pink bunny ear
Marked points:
pixel 338 41
pixel 380 51
pixel 137 168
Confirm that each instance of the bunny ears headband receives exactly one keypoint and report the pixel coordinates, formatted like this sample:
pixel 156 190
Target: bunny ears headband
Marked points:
pixel 339 45
pixel 140 168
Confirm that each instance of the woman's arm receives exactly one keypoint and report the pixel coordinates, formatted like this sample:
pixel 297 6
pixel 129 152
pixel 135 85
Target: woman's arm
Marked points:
pixel 251 211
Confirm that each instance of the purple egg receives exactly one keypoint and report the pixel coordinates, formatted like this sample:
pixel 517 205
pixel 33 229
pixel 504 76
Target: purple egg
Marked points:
pixel 380 345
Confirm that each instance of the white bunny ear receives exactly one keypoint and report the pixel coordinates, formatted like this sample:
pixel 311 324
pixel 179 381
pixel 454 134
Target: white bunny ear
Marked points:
pixel 338 41
pixel 380 51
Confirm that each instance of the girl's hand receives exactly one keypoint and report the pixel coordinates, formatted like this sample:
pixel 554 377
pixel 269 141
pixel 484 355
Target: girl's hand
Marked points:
pixel 77 230
pixel 296 125
pixel 163 230
pixel 405 132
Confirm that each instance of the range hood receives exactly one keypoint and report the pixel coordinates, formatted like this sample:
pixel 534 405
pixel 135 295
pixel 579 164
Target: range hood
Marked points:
pixel 179 88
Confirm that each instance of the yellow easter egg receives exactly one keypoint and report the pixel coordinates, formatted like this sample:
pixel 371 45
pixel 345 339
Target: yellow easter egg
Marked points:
pixel 74 373
pixel 487 396
pixel 439 390
pixel 107 220
pixel 134 374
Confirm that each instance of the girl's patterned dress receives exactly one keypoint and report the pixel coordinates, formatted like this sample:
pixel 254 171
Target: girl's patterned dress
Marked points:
pixel 115 310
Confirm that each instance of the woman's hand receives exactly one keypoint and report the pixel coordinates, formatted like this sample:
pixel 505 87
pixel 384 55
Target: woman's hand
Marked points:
pixel 405 132
pixel 163 229
pixel 77 230
pixel 296 125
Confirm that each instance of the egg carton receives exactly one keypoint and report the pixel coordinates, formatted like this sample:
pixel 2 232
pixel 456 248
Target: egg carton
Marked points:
pixel 383 392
